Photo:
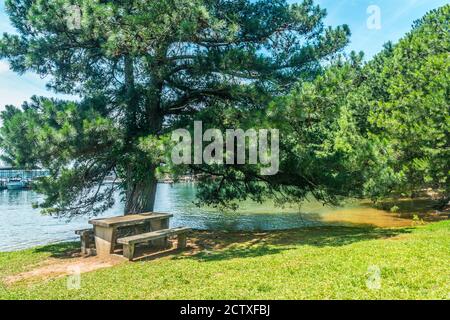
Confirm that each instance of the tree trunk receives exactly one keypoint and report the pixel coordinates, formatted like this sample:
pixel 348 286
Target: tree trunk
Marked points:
pixel 141 180
pixel 140 193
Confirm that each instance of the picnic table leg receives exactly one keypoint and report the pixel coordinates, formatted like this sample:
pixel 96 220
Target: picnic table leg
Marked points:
pixel 165 225
pixel 105 239
pixel 181 241
pixel 85 243
pixel 128 251
pixel 160 225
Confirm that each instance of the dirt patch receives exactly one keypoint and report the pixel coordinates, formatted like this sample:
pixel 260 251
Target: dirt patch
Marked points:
pixel 69 262
pixel 54 267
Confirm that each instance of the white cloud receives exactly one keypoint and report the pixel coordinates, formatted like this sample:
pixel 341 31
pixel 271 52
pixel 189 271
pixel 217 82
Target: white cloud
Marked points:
pixel 4 67
pixel 12 96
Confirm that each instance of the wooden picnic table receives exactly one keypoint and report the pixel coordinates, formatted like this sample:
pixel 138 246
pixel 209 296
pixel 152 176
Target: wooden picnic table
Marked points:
pixel 105 229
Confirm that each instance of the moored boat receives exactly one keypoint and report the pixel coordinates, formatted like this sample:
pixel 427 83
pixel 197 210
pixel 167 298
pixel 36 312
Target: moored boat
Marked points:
pixel 15 184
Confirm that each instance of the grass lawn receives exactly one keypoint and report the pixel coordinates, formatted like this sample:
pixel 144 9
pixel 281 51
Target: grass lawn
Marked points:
pixel 313 263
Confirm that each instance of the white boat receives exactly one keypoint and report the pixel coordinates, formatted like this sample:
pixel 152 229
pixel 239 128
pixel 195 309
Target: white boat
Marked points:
pixel 15 184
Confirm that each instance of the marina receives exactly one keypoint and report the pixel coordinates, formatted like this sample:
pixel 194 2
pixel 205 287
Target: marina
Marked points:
pixel 19 179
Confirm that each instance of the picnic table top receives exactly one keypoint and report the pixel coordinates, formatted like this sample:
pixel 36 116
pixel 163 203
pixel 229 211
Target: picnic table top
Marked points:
pixel 129 220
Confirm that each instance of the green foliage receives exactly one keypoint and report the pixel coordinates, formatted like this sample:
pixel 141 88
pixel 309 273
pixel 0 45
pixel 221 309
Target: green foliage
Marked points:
pixel 320 141
pixel 410 105
pixel 73 140
pixel 142 69
pixel 325 142
pixel 370 130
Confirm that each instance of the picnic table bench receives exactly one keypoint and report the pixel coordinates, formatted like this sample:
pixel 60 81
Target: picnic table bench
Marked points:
pixel 130 241
pixel 87 240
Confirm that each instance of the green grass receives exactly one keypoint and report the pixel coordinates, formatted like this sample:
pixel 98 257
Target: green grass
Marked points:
pixel 314 263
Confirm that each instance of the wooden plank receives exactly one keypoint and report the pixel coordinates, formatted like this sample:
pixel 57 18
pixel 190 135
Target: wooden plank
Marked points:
pixel 129 220
pixel 153 235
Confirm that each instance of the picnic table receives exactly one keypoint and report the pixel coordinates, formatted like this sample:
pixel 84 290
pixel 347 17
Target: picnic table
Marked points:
pixel 106 229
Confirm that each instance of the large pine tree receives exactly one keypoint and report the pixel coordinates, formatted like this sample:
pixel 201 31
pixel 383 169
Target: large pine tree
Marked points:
pixel 139 65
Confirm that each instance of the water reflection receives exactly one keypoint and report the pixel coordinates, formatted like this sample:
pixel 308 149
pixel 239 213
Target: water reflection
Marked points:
pixel 22 226
pixel 178 199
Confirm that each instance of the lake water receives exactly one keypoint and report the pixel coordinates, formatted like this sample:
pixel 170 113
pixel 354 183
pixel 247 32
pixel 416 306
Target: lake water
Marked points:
pixel 21 226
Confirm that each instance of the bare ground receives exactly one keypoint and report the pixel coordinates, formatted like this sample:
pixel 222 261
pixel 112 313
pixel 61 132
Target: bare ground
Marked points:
pixel 55 267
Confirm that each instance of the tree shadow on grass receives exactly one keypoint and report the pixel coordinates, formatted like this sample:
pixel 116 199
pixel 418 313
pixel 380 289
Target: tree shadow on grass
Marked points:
pixel 63 250
pixel 219 245
pixel 216 246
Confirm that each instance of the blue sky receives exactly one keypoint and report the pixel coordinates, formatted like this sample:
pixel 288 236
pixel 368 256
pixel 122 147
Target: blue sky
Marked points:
pixel 396 16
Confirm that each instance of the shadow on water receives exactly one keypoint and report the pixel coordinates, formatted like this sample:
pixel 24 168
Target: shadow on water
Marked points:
pixel 216 246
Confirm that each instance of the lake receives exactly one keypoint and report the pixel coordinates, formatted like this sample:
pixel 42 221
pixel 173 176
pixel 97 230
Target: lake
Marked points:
pixel 21 226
